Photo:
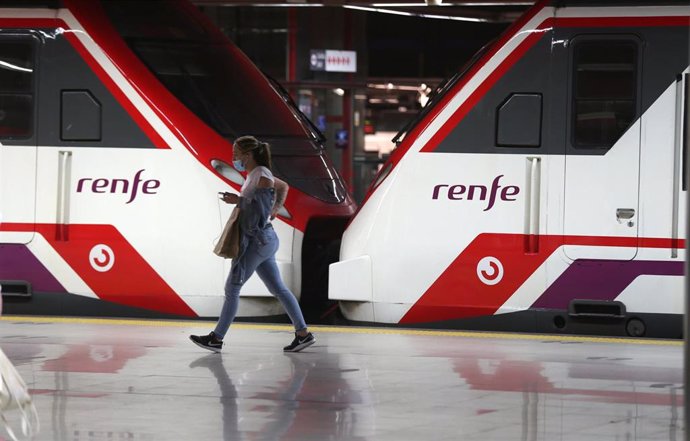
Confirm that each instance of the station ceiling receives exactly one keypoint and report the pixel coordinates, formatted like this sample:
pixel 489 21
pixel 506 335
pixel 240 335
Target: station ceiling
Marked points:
pixel 486 11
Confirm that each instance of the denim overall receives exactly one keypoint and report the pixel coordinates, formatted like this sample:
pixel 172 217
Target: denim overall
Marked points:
pixel 258 246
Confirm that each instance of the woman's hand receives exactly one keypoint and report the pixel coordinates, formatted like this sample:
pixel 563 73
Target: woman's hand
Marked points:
pixel 230 198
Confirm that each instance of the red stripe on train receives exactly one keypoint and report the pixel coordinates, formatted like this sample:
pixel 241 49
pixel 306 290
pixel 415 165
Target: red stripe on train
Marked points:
pixel 459 293
pixel 129 281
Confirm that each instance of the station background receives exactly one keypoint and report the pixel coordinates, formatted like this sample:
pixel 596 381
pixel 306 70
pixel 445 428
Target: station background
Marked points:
pixel 401 59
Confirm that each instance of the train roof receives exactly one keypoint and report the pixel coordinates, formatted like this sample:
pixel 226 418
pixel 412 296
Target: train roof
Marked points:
pixel 49 4
pixel 579 3
pixel 557 3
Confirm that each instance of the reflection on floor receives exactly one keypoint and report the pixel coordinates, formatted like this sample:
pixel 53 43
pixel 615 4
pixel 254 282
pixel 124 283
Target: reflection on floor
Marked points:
pixel 135 380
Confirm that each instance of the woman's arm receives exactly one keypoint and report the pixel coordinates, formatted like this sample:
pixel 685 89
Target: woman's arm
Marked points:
pixel 264 182
pixel 281 194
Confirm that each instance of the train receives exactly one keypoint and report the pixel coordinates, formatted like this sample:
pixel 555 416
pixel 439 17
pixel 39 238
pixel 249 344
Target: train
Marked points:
pixel 116 127
pixel 542 189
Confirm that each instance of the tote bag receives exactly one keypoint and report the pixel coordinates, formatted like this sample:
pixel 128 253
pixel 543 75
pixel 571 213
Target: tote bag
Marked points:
pixel 228 245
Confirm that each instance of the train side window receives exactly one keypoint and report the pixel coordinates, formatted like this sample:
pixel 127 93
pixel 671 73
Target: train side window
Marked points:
pixel 16 88
pixel 605 88
pixel 80 116
pixel 519 121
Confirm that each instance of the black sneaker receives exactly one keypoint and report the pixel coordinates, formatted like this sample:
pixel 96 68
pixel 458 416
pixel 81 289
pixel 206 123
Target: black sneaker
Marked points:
pixel 209 342
pixel 300 343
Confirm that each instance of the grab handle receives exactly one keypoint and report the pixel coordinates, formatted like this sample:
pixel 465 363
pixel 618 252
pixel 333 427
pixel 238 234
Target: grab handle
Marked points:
pixel 63 192
pixel 532 206
pixel 680 147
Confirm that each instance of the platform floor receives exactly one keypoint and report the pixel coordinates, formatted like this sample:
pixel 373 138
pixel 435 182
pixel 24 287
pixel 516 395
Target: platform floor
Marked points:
pixel 144 380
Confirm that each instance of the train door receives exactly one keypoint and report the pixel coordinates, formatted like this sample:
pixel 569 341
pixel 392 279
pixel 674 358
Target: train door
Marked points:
pixel 602 165
pixel 18 52
pixel 130 216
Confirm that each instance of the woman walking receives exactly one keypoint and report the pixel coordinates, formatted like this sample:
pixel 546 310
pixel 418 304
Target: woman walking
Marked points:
pixel 258 244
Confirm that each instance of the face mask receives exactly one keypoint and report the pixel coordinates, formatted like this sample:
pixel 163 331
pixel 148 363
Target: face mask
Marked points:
pixel 238 164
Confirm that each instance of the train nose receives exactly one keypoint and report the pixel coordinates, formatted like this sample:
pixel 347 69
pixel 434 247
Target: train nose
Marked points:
pixel 351 280
pixel 350 283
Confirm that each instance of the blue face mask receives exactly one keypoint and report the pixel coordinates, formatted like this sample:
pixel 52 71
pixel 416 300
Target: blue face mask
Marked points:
pixel 239 165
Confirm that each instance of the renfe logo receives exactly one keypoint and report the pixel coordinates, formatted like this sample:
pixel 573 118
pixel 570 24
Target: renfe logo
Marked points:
pixel 471 192
pixel 490 270
pixel 102 258
pixel 103 185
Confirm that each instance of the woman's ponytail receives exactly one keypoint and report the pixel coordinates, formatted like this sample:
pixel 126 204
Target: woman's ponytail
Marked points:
pixel 263 154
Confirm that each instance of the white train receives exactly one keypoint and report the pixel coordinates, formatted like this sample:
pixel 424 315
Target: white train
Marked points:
pixel 116 128
pixel 542 189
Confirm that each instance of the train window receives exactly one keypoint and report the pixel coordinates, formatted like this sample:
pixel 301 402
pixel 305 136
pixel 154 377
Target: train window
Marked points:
pixel 213 84
pixel 210 76
pixel 80 114
pixel 311 174
pixel 519 121
pixel 155 20
pixel 16 88
pixel 604 91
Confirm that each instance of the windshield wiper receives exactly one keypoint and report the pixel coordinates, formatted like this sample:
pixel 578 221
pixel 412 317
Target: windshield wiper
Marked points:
pixel 441 90
pixel 438 92
pixel 315 132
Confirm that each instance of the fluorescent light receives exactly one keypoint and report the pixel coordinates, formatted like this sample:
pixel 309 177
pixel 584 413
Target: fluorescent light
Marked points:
pixel 450 3
pixel 411 14
pixel 260 5
pixel 391 86
pixel 397 5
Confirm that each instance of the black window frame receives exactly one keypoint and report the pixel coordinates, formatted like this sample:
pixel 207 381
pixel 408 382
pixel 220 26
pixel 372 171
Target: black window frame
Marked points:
pixel 601 39
pixel 30 36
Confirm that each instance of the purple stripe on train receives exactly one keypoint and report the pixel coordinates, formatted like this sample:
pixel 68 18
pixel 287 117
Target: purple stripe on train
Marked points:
pixel 18 263
pixel 594 279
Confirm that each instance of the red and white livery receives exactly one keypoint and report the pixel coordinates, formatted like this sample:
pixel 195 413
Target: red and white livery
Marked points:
pixel 116 128
pixel 542 189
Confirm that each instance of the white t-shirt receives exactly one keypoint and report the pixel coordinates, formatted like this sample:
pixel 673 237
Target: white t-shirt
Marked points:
pixel 252 181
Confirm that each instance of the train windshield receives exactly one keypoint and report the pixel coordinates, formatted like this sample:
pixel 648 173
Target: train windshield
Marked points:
pixel 211 77
pixel 441 90
pixel 217 82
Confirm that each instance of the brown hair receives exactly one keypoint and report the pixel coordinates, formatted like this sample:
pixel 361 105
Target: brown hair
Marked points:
pixel 261 151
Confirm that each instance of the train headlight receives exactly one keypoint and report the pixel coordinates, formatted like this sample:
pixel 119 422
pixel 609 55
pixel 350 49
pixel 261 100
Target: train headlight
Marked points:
pixel 227 171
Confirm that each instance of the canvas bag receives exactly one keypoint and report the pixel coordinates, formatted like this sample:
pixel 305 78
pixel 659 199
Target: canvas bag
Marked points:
pixel 14 396
pixel 228 245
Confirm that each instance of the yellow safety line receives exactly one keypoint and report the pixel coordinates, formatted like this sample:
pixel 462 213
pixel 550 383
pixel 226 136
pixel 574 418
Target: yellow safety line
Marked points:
pixel 343 330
